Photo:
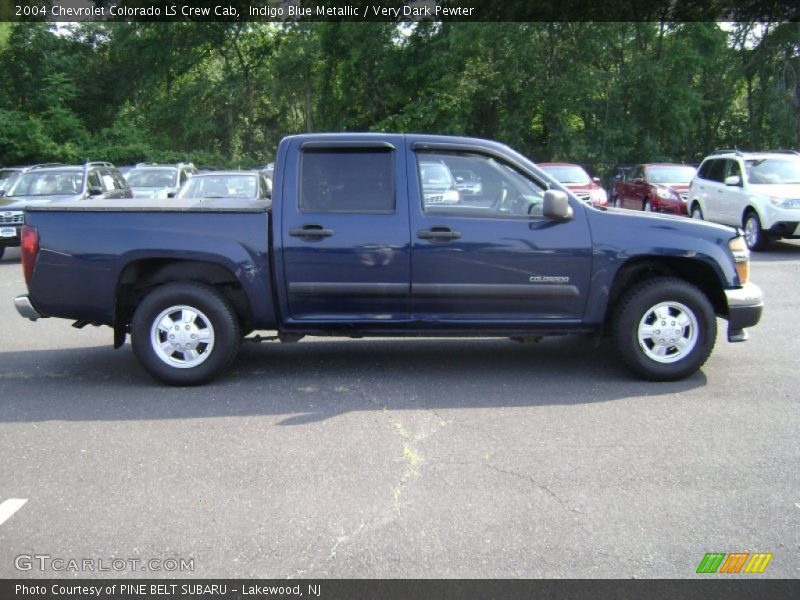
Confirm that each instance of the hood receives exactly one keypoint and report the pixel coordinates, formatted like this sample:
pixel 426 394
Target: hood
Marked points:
pixel 581 187
pixel 151 192
pixel 648 220
pixel 779 190
pixel 22 202
pixel 678 187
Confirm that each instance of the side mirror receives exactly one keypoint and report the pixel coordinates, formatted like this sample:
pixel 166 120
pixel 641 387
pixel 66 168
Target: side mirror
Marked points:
pixel 638 181
pixel 171 194
pixel 556 206
pixel 733 180
pixel 596 179
pixel 95 190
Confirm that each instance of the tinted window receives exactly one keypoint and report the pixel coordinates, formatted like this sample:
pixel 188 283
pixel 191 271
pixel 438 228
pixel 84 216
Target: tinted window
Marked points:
pixel 119 180
pixel 716 172
pixel 665 174
pixel 634 173
pixel 569 174
pixel 499 190
pixel 733 169
pixel 351 180
pixel 702 173
pixel 94 180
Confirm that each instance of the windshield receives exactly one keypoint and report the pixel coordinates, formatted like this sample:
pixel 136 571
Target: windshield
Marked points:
pixel 435 175
pixel 49 183
pixel 220 186
pixel 568 174
pixel 773 170
pixel 152 178
pixel 670 174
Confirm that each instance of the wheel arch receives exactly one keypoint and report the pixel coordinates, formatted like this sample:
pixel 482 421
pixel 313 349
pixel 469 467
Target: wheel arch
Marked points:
pixel 695 271
pixel 139 277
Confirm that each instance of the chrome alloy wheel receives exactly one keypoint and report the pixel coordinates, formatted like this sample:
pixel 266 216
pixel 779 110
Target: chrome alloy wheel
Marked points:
pixel 668 332
pixel 182 337
pixel 751 233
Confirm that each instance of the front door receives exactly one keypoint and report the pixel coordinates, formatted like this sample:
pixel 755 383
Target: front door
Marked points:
pixel 492 257
pixel 345 232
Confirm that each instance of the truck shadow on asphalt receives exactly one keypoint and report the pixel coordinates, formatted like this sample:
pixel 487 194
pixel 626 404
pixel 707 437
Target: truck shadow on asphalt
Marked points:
pixel 779 251
pixel 320 379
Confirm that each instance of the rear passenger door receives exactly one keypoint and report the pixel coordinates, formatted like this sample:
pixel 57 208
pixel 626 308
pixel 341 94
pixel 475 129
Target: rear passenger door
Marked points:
pixel 345 231
pixel 714 190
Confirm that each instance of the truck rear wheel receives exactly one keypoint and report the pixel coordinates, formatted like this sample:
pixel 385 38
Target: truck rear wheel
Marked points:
pixel 664 329
pixel 185 333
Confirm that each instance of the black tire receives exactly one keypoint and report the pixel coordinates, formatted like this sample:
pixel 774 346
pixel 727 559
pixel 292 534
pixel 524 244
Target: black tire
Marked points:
pixel 755 237
pixel 646 206
pixel 617 203
pixel 637 305
pixel 697 212
pixel 215 315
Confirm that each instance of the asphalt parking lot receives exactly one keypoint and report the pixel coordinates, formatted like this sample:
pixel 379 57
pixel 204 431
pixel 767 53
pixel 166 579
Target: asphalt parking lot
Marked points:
pixel 395 458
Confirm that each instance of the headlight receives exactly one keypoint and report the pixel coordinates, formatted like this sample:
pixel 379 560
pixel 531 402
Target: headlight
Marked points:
pixel 666 194
pixel 451 196
pixel 742 257
pixel 785 202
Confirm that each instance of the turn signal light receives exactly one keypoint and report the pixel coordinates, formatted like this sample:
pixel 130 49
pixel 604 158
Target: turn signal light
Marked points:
pixel 742 257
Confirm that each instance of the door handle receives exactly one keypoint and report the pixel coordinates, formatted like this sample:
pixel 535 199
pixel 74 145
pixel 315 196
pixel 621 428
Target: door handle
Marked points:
pixel 310 231
pixel 438 234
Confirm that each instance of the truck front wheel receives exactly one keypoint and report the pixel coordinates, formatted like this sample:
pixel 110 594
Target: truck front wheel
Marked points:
pixel 185 333
pixel 664 329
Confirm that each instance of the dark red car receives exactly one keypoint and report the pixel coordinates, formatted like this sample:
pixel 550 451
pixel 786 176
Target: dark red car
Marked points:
pixel 656 187
pixel 577 181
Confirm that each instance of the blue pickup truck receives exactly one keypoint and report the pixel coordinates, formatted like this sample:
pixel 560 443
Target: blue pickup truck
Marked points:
pixel 354 243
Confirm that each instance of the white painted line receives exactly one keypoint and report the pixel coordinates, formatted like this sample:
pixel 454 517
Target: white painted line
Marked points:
pixel 9 507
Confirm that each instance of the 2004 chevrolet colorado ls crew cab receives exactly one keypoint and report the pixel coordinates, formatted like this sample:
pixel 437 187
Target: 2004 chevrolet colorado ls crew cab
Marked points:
pixel 352 243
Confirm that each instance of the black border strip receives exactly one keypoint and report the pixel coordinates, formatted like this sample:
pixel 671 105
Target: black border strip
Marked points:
pixel 405 11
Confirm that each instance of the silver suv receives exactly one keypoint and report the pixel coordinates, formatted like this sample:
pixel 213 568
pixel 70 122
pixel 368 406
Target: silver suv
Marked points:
pixel 758 191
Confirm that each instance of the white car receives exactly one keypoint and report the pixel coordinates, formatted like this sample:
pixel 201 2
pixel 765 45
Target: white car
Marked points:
pixel 758 191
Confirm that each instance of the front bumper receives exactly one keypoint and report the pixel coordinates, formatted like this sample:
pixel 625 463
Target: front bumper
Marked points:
pixel 7 238
pixel 785 229
pixel 744 310
pixel 26 309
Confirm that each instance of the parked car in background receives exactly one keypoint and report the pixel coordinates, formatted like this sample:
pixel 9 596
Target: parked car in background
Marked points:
pixel 467 183
pixel 269 172
pixel 438 184
pixel 153 180
pixel 759 191
pixel 8 175
pixel 576 180
pixel 616 174
pixel 38 186
pixel 655 187
pixel 227 184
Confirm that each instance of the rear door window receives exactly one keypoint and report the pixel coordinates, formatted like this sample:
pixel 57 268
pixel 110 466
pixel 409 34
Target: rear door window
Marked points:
pixel 353 180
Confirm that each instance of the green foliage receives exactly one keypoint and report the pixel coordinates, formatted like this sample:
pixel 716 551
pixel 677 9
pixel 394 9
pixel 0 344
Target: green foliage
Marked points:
pixel 225 93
